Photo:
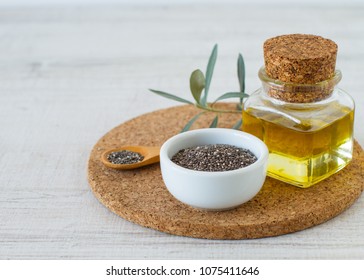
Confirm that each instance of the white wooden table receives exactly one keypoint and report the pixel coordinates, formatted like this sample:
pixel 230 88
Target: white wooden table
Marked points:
pixel 70 74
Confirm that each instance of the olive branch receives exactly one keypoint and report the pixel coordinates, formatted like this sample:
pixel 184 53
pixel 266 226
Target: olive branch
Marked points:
pixel 200 85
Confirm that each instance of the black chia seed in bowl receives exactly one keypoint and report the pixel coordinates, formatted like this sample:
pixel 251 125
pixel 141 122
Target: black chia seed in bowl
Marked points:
pixel 124 157
pixel 212 158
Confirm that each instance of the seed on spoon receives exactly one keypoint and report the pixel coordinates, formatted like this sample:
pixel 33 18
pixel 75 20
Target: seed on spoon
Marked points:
pixel 124 157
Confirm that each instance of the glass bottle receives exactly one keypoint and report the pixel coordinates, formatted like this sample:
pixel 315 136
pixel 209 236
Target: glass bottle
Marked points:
pixel 307 141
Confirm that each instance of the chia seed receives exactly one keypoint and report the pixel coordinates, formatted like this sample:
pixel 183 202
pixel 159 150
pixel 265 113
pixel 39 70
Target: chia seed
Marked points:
pixel 124 157
pixel 218 157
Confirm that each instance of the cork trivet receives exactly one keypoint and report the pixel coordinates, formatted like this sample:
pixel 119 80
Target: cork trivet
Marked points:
pixel 140 196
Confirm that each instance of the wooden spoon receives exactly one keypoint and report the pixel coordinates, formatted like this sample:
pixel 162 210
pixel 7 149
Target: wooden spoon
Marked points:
pixel 151 155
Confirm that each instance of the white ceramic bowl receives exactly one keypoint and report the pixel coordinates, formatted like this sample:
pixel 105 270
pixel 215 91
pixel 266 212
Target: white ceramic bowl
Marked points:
pixel 214 190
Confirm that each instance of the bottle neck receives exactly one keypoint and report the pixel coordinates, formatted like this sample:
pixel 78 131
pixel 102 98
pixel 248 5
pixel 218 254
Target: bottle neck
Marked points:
pixel 298 93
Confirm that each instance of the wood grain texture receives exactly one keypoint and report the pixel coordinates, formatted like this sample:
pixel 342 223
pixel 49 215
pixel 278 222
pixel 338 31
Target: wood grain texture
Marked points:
pixel 68 75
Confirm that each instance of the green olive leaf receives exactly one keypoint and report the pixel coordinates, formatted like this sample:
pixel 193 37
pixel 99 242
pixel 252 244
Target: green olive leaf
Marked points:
pixel 170 96
pixel 238 124
pixel 190 122
pixel 209 72
pixel 231 95
pixel 197 84
pixel 214 122
pixel 241 75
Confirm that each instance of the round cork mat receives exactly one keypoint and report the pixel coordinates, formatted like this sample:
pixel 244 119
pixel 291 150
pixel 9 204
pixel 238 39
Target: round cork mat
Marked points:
pixel 140 195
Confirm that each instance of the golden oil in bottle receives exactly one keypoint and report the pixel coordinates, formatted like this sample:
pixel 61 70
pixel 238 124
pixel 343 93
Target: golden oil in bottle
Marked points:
pixel 303 151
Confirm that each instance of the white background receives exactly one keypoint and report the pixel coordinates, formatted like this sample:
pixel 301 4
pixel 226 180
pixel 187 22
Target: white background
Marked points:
pixel 69 74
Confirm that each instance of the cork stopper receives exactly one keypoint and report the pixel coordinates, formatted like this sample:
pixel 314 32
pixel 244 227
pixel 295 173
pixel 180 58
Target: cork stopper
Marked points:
pixel 300 59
